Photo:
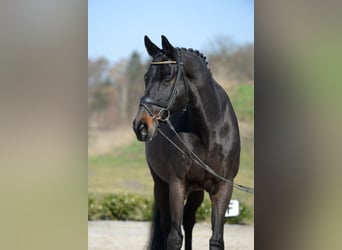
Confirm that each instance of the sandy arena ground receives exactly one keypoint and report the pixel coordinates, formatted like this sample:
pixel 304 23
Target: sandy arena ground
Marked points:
pixel 115 235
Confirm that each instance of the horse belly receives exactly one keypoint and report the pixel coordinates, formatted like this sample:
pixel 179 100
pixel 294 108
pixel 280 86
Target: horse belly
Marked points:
pixel 199 179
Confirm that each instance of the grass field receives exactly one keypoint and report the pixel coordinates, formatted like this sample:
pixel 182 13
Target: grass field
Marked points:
pixel 124 170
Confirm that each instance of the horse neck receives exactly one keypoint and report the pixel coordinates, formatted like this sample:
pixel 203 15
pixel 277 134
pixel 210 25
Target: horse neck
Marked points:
pixel 206 109
pixel 205 105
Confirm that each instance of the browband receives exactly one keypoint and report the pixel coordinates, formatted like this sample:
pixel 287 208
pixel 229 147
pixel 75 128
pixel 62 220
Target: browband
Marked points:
pixel 165 62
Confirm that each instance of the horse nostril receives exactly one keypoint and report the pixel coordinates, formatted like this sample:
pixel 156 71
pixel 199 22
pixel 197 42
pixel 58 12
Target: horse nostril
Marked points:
pixel 142 130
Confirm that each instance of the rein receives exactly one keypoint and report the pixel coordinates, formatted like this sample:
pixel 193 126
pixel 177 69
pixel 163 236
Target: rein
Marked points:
pixel 197 160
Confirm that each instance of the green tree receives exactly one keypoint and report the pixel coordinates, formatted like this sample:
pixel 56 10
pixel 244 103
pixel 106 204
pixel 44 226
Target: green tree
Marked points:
pixel 135 71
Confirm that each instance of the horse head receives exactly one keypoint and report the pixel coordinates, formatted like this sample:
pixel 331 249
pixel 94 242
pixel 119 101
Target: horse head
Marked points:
pixel 165 89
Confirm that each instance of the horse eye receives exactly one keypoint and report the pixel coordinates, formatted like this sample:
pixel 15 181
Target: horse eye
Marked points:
pixel 167 79
pixel 168 74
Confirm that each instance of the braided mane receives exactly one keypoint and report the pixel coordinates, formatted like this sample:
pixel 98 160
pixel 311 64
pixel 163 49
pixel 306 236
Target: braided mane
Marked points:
pixel 197 53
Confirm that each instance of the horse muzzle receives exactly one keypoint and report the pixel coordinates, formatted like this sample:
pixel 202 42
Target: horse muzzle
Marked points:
pixel 145 128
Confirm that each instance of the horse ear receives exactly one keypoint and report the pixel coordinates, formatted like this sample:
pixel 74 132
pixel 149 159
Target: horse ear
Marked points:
pixel 168 49
pixel 151 48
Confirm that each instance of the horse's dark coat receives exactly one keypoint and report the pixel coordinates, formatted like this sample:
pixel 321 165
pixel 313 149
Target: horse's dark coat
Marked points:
pixel 209 126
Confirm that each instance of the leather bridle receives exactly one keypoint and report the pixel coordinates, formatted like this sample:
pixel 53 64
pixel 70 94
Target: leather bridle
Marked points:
pixel 164 112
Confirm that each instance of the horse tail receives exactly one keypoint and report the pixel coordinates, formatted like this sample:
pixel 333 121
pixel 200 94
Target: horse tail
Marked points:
pixel 156 237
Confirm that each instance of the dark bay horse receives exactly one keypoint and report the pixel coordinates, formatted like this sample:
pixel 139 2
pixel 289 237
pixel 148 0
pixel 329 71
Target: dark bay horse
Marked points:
pixel 180 89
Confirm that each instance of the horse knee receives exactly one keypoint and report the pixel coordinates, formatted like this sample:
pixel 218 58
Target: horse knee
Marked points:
pixel 175 238
pixel 216 244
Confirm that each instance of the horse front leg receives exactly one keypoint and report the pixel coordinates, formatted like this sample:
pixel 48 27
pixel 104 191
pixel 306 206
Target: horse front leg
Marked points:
pixel 161 218
pixel 219 201
pixel 193 202
pixel 176 201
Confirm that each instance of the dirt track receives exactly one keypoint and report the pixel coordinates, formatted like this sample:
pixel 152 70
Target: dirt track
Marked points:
pixel 114 235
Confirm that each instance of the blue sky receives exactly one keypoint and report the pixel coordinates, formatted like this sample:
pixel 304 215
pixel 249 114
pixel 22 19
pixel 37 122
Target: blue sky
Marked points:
pixel 117 28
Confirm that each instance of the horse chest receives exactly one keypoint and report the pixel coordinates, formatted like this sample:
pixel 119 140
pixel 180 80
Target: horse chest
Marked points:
pixel 167 162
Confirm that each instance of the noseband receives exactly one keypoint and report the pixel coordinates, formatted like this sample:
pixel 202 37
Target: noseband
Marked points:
pixel 164 112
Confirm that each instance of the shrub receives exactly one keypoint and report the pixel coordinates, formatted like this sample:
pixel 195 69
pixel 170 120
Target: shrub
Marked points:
pixel 139 208
pixel 97 210
pixel 203 212
pixel 119 207
pixel 245 215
